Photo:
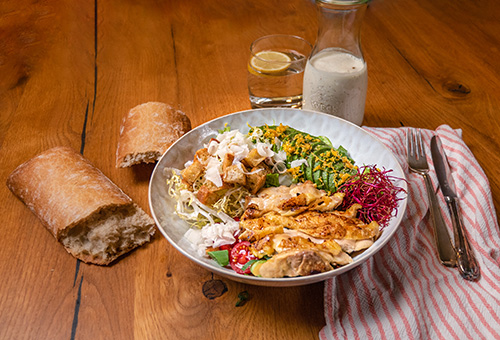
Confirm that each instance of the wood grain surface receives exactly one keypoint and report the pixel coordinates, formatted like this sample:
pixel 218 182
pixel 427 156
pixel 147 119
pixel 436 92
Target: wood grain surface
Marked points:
pixel 69 72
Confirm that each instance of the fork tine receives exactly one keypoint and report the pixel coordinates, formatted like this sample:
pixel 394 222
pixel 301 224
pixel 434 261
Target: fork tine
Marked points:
pixel 410 142
pixel 420 144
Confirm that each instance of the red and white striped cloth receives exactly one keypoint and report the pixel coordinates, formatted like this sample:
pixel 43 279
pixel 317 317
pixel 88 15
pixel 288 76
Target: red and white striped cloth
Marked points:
pixel 403 292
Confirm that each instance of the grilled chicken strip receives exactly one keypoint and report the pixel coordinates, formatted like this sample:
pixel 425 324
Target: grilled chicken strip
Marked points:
pixel 276 243
pixel 293 263
pixel 325 225
pixel 290 201
pixel 298 256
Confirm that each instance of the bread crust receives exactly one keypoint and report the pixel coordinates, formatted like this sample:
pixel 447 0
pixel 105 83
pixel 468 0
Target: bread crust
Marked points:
pixel 65 191
pixel 147 131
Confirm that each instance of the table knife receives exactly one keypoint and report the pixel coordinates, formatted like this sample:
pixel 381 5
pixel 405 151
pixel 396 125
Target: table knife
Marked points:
pixel 467 264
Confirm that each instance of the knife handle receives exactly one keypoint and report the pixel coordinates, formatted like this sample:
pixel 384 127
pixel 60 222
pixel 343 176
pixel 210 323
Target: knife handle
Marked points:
pixel 467 264
pixel 445 249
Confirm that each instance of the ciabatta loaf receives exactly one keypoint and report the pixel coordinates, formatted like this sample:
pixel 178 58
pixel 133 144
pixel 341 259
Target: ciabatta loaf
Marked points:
pixel 147 132
pixel 85 211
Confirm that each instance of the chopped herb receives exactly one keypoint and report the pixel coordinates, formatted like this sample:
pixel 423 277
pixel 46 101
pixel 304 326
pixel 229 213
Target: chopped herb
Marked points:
pixel 242 298
pixel 225 129
pixel 248 264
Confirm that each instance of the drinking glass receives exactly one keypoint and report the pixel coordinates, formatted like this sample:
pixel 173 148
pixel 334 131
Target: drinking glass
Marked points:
pixel 276 71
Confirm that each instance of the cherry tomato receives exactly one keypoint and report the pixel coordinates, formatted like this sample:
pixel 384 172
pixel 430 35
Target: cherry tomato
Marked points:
pixel 227 247
pixel 239 256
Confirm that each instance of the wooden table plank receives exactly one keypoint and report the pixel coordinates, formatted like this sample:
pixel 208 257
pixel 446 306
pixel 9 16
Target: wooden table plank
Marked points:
pixel 44 98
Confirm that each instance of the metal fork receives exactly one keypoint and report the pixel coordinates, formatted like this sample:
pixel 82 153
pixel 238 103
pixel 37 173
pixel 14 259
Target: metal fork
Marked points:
pixel 417 162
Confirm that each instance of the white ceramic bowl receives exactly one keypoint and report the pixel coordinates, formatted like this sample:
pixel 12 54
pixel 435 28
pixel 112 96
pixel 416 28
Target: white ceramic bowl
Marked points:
pixel 363 147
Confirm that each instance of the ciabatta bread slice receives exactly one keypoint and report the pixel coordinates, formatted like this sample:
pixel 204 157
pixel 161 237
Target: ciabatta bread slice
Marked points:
pixel 85 211
pixel 147 132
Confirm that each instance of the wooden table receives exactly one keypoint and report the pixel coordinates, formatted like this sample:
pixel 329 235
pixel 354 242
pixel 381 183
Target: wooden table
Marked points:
pixel 69 71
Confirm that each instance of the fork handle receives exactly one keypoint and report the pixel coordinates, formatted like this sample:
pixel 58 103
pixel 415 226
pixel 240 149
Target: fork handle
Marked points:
pixel 467 264
pixel 446 252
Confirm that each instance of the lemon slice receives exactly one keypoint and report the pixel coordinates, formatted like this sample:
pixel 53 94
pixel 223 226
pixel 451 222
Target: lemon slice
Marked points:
pixel 270 62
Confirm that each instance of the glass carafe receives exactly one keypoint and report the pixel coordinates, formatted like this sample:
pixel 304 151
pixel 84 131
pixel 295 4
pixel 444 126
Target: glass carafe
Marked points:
pixel 336 78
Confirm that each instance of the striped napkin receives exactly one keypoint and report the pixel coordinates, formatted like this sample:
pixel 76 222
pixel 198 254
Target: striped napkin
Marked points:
pixel 403 292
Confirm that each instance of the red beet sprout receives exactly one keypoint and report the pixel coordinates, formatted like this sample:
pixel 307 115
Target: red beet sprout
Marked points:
pixel 375 191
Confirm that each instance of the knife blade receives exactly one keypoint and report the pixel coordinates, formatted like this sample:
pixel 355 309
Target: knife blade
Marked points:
pixel 467 263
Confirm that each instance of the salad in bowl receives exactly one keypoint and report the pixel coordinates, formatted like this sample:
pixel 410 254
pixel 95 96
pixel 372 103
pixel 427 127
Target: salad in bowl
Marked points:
pixel 275 202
